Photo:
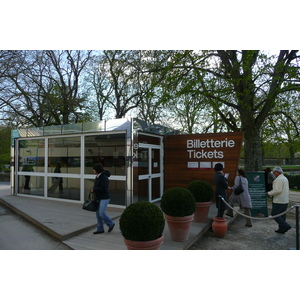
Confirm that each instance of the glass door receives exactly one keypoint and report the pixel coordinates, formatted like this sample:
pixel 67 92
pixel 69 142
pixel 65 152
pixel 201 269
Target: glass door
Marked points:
pixel 150 172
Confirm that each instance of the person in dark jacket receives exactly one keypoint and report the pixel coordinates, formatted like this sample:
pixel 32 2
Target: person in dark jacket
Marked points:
pixel 221 187
pixel 57 181
pixel 269 178
pixel 100 190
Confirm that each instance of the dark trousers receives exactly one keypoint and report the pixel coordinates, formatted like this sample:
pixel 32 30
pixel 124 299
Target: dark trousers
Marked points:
pixel 26 185
pixel 221 206
pixel 278 209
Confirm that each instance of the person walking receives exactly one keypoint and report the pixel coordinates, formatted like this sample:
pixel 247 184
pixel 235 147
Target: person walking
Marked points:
pixel 280 194
pixel 243 199
pixel 221 184
pixel 101 192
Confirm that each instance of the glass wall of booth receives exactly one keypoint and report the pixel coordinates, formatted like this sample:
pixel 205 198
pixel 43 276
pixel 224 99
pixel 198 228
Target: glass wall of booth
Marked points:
pixel 58 167
pixel 56 162
pixel 52 164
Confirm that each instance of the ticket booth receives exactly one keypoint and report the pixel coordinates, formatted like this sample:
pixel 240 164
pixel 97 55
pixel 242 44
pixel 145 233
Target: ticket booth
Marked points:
pixel 56 162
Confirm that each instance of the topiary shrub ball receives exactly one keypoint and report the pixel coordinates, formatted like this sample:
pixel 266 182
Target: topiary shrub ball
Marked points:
pixel 178 202
pixel 142 221
pixel 202 190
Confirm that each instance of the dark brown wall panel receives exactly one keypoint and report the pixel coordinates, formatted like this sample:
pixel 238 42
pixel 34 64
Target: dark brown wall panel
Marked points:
pixel 182 152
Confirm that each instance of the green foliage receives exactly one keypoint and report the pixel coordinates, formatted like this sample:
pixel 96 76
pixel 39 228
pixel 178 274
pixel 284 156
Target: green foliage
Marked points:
pixel 202 190
pixel 178 202
pixel 202 91
pixel 5 135
pixel 142 221
pixel 294 180
pixel 241 89
pixel 4 176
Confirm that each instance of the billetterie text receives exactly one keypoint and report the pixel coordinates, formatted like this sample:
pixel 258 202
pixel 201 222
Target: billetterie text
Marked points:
pixel 197 148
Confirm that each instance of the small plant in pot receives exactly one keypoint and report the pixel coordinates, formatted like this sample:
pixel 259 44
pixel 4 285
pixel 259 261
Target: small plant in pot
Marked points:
pixel 178 205
pixel 142 225
pixel 203 193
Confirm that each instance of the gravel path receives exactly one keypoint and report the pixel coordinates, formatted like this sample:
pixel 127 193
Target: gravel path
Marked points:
pixel 261 236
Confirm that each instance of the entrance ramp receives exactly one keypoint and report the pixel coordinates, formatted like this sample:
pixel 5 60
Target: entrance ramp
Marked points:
pixel 72 225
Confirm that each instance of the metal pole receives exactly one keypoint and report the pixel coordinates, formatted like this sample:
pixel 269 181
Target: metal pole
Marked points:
pixel 297 227
pixel 219 205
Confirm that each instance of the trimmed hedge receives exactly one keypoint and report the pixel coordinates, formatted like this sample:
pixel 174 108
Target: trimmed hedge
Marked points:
pixel 202 190
pixel 178 202
pixel 294 180
pixel 142 221
pixel 4 177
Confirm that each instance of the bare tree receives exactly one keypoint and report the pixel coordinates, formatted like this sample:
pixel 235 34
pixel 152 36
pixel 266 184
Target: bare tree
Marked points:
pixel 127 81
pixel 65 70
pixel 98 87
pixel 42 87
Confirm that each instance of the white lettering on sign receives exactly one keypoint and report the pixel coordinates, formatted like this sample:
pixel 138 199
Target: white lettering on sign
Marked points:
pixel 210 143
pixel 207 149
pixel 205 154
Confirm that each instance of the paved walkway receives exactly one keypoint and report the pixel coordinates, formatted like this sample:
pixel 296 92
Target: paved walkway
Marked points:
pixel 74 226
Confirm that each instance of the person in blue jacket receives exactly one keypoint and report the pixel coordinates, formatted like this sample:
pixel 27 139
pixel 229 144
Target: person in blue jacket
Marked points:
pixel 101 193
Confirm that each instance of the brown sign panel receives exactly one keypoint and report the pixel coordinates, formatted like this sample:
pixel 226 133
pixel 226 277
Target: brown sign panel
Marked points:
pixel 193 157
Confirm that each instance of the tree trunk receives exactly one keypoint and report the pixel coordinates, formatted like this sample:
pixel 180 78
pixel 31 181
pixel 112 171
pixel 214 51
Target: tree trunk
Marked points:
pixel 292 155
pixel 252 150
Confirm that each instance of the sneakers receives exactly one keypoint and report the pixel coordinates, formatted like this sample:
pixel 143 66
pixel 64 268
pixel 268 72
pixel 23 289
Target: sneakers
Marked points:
pixel 110 229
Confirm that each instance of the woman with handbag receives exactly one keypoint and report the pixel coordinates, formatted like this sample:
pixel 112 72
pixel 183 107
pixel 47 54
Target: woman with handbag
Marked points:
pixel 243 198
pixel 101 193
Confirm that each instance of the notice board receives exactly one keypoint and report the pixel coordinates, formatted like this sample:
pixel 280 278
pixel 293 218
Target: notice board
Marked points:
pixel 257 190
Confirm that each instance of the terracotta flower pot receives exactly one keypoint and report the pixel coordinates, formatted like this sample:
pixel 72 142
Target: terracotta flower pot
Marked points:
pixel 179 227
pixel 219 226
pixel 201 213
pixel 144 245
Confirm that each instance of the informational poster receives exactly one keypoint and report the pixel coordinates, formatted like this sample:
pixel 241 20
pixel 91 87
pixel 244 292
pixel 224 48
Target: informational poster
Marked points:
pixel 257 190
